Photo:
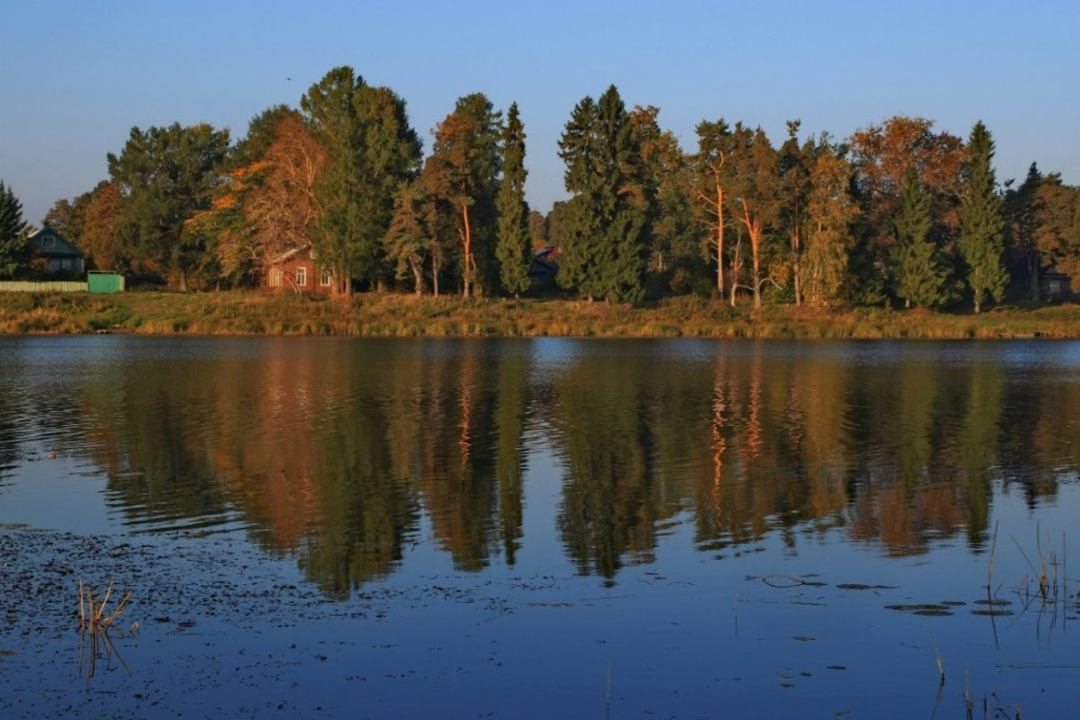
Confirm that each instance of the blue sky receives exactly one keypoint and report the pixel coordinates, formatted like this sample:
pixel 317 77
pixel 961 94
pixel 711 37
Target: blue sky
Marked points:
pixel 76 76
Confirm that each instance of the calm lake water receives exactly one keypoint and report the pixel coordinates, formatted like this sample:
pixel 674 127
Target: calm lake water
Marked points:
pixel 545 528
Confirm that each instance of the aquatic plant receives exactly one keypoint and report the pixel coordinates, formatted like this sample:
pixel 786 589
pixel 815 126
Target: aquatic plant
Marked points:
pixel 96 623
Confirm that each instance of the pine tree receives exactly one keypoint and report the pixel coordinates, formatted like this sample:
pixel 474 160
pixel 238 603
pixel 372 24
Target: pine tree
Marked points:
pixel 673 238
pixel 756 194
pixel 461 175
pixel 512 240
pixel 12 232
pixel 712 182
pixel 602 255
pixel 795 166
pixel 921 276
pixel 982 226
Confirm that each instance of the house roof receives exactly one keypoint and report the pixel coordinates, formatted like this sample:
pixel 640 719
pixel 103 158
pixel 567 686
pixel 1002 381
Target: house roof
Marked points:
pixel 289 254
pixel 51 243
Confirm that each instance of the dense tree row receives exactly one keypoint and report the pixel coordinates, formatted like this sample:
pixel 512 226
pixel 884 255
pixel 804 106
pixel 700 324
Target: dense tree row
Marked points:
pixel 898 213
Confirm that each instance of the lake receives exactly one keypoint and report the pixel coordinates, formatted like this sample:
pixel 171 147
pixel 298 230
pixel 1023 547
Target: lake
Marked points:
pixel 541 528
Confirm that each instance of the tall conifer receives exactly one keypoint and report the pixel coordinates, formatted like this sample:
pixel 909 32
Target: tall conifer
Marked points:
pixel 921 276
pixel 512 242
pixel 12 232
pixel 982 226
pixel 603 255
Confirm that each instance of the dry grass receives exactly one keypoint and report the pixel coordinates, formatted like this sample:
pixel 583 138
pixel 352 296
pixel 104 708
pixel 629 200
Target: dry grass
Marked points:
pixel 396 315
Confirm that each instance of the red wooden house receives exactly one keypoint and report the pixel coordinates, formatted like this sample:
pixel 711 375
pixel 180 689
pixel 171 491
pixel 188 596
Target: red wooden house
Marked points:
pixel 297 270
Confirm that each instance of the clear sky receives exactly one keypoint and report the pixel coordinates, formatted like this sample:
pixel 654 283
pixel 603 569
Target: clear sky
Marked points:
pixel 76 76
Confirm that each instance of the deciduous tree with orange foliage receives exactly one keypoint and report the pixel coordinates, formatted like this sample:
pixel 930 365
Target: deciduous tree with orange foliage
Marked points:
pixel 882 155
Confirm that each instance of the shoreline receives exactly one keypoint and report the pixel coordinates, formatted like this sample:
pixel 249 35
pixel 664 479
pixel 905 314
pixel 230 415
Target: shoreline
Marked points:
pixel 253 313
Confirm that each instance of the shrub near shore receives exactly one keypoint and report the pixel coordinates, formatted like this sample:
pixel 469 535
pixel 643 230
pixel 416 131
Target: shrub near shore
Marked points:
pixel 392 315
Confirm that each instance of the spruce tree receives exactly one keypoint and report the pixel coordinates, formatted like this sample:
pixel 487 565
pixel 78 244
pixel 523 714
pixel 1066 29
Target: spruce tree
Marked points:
pixel 574 233
pixel 407 239
pixel 512 240
pixel 982 226
pixel 371 152
pixel 604 253
pixel 12 232
pixel 922 279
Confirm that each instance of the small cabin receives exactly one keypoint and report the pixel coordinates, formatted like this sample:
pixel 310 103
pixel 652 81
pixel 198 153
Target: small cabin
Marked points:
pixel 1055 286
pixel 54 255
pixel 297 270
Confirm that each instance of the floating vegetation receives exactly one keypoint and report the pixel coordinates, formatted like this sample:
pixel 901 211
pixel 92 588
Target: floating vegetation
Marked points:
pixel 926 609
pixel 94 627
pixel 786 582
pixel 994 603
pixel 992 612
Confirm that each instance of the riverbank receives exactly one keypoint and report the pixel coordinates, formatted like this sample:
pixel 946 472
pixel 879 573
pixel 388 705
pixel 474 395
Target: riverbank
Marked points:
pixel 390 315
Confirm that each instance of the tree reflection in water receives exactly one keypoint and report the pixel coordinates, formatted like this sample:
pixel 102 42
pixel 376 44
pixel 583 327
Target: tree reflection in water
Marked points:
pixel 334 452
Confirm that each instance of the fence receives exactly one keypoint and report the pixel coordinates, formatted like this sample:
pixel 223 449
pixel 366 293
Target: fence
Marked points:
pixel 53 286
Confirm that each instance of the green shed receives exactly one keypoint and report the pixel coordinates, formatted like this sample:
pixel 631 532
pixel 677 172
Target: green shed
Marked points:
pixel 101 282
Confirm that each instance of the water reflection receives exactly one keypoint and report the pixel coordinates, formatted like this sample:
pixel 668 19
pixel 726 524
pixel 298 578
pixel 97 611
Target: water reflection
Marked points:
pixel 339 453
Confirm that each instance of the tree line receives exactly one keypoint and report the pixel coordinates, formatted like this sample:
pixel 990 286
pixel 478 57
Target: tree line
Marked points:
pixel 899 213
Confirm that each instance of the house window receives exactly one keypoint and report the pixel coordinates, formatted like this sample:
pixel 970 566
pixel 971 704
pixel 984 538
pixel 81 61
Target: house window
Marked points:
pixel 301 277
pixel 324 278
pixel 275 277
pixel 47 242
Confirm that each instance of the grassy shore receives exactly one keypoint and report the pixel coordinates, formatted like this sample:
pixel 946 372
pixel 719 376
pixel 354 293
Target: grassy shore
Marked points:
pixel 388 315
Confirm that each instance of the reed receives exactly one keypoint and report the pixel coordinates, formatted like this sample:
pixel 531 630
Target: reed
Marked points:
pixel 95 623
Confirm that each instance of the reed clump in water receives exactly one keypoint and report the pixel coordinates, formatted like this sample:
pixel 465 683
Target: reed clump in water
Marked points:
pixel 95 623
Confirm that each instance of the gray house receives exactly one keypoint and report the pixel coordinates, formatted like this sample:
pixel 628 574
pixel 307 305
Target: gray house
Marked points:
pixel 53 254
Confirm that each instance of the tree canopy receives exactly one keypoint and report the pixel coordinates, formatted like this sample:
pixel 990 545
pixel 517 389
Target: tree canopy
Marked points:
pixel 900 213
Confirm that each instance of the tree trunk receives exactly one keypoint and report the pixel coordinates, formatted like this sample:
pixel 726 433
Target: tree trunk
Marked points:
pixel 1033 274
pixel 735 261
pixel 753 229
pixel 978 307
pixel 796 247
pixel 345 284
pixel 466 239
pixel 755 244
pixel 720 239
pixel 418 277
